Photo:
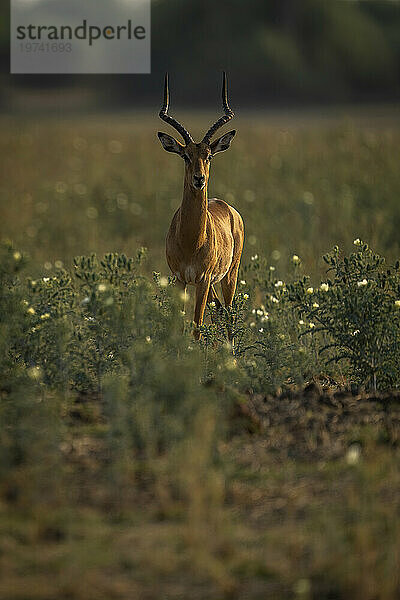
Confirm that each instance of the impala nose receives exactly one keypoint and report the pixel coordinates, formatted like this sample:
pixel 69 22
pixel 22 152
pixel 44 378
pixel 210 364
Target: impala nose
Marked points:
pixel 199 181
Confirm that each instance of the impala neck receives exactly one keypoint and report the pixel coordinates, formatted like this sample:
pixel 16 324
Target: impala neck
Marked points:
pixel 193 215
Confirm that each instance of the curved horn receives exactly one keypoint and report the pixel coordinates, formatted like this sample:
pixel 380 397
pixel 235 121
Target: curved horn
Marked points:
pixel 229 114
pixel 165 116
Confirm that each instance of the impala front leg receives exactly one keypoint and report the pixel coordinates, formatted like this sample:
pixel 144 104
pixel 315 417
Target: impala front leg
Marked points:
pixel 202 290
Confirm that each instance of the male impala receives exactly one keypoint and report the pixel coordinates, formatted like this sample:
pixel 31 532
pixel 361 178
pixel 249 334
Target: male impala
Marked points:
pixel 205 240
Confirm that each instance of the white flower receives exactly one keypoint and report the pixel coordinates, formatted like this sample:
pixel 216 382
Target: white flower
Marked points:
pixel 163 282
pixel 261 330
pixel 362 283
pixel 252 324
pixel 279 284
pixel 254 257
pixel 253 312
pixel 356 332
pixel 315 305
pixel 397 303
pixel 357 242
pixel 295 259
pixel 242 282
pixel 324 287
pixel 310 290
pixel 212 304
pixel 102 287
pixel 265 318
pixel 353 454
pixel 259 312
pixel 46 279
pixel 31 310
pixel 274 299
pixel 148 339
pixel 246 296
pixel 272 268
pixel 301 322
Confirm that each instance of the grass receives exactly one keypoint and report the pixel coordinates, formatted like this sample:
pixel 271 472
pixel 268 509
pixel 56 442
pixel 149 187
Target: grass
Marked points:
pixel 137 463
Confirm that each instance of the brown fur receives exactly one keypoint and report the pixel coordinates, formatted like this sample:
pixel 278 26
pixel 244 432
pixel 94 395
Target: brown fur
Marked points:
pixel 205 240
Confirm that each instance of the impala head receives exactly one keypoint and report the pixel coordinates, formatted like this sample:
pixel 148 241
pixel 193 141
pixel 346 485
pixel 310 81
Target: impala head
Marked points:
pixel 198 156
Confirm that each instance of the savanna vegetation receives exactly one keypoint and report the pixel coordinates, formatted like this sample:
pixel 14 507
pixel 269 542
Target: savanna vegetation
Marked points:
pixel 136 462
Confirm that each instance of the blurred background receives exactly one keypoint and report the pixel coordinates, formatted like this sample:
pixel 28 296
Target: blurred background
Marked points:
pixel 276 52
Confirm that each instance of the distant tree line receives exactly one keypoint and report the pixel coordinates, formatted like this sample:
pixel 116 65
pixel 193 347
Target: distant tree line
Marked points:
pixel 274 51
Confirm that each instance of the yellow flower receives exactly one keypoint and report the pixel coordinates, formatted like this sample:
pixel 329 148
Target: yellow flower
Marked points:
pixel 45 316
pixel 31 310
pixel 357 242
pixel 397 303
pixel 324 287
pixel 17 255
pixel 102 287
pixel 246 296
pixel 295 259
pixel 315 305
pixel 362 283
pixel 310 290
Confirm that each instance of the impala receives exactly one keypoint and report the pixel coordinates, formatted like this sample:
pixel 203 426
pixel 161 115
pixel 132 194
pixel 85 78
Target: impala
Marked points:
pixel 205 239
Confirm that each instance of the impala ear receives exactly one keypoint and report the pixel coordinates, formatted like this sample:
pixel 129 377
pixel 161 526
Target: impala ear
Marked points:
pixel 170 144
pixel 223 142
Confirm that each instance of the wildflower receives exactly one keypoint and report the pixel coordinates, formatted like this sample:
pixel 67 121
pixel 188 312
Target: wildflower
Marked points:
pixel 35 373
pixel 261 330
pixel 397 303
pixel 272 268
pixel 356 332
pixel 252 324
pixel 312 325
pixel 45 316
pixel 33 282
pixel 353 454
pixel 242 282
pixel 295 259
pixel 315 305
pixel 163 282
pixel 31 310
pixel 264 318
pixel 279 284
pixel 246 296
pixel 301 322
pixel 212 304
pixel 102 287
pixel 310 290
pixel 259 312
pixel 148 339
pixel 274 299
pixel 362 283
pixel 253 312
pixel 324 287
pixel 281 336
pixel 254 257
pixel 25 302
pixel 357 242
pixel 46 279
pixel 276 255
pixel 17 256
